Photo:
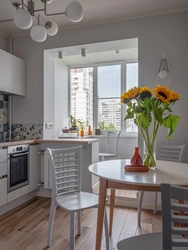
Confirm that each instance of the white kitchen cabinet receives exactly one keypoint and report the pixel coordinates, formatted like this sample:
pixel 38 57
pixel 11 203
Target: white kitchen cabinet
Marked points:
pixel 34 166
pixel 12 74
pixel 3 191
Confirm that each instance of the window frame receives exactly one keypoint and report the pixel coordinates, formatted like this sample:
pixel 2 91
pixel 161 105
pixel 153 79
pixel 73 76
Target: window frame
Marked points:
pixel 123 64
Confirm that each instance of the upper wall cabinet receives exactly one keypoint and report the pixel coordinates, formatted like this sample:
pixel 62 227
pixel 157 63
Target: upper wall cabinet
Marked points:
pixel 12 74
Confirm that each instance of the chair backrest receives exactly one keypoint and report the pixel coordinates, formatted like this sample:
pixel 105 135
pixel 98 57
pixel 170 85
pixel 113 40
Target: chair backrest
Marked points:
pixel 175 223
pixel 112 142
pixel 169 152
pixel 66 168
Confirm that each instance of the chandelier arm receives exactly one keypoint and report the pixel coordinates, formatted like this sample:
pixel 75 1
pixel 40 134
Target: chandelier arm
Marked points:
pixel 52 14
pixel 6 20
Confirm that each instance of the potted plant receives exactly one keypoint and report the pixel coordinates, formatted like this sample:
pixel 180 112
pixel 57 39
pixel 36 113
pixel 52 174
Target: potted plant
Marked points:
pixel 81 126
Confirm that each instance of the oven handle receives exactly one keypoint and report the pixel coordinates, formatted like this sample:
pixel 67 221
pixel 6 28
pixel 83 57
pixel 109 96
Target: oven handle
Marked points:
pixel 15 155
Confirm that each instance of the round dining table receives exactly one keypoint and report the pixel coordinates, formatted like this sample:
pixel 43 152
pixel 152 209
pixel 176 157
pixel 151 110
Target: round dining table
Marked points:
pixel 112 175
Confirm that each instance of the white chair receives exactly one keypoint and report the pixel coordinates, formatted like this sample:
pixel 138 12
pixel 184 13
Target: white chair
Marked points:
pixel 171 236
pixel 112 145
pixel 66 167
pixel 164 152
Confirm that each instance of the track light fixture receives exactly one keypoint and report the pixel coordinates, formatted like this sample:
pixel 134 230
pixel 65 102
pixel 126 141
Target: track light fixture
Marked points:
pixel 83 52
pixel 25 11
pixel 60 55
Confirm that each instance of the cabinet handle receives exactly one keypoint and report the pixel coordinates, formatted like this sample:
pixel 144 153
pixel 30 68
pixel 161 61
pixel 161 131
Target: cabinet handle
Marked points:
pixel 3 176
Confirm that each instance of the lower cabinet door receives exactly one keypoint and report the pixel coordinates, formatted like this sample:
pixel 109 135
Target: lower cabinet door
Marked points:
pixel 3 191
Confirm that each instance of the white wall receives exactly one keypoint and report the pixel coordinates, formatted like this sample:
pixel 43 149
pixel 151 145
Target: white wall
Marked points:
pixel 49 95
pixel 61 96
pixel 156 36
pixel 4 43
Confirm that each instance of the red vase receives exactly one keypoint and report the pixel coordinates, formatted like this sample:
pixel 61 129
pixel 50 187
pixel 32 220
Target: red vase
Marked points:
pixel 136 159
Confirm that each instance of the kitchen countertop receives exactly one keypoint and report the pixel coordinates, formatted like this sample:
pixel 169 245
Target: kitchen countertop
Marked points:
pixel 15 143
pixel 65 140
pixel 78 140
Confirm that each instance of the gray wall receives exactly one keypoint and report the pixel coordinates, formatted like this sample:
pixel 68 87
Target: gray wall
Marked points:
pixel 156 36
pixel 4 43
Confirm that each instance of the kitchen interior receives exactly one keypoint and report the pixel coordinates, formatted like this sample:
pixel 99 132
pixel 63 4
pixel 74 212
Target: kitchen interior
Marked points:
pixel 34 105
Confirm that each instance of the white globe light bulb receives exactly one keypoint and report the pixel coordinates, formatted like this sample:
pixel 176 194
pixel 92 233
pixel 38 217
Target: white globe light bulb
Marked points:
pixel 38 33
pixel 74 12
pixel 22 19
pixel 163 74
pixel 51 31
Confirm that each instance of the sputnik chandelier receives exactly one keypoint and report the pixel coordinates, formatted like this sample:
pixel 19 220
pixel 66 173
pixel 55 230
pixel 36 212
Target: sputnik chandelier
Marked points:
pixel 25 12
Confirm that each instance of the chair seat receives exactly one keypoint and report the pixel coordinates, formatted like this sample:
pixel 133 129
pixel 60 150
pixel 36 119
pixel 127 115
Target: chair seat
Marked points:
pixel 106 154
pixel 144 242
pixel 77 201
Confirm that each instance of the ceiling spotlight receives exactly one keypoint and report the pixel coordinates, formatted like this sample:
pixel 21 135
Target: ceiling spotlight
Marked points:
pixel 117 51
pixel 60 55
pixel 83 52
pixel 163 68
pixel 25 12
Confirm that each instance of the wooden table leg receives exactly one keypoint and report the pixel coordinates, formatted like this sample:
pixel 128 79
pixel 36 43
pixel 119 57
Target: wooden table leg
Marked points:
pixel 100 215
pixel 112 201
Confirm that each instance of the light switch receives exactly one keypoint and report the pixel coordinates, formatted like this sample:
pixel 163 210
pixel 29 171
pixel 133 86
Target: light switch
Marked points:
pixel 49 125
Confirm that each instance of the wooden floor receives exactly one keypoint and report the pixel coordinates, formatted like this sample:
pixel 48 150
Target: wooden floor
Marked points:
pixel 25 228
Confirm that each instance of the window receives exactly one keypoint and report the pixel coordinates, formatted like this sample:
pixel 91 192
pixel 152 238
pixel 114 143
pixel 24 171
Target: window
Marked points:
pixel 95 94
pixel 82 94
pixel 109 91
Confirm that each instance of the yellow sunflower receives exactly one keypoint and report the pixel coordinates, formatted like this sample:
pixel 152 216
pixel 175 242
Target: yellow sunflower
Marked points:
pixel 145 92
pixel 163 93
pixel 175 96
pixel 133 92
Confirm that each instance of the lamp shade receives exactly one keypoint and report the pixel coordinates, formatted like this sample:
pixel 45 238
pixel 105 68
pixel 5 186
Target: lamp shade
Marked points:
pixel 51 31
pixel 74 11
pixel 163 74
pixel 38 33
pixel 23 19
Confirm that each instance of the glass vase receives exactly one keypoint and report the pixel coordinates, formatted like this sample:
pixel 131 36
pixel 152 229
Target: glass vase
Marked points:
pixel 150 154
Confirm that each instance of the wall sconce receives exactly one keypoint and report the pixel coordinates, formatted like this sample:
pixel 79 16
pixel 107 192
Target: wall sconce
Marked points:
pixel 163 68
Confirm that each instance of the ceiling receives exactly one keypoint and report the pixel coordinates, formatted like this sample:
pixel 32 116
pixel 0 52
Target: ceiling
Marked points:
pixel 98 11
pixel 126 49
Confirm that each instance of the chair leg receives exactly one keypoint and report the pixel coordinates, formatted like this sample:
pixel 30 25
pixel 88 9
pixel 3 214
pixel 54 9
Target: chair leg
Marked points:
pixel 79 222
pixel 106 230
pixel 72 238
pixel 50 223
pixel 112 201
pixel 155 203
pixel 140 199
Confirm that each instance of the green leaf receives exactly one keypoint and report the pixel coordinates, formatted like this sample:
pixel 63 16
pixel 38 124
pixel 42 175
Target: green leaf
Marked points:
pixel 142 122
pixel 171 122
pixel 129 114
pixel 158 113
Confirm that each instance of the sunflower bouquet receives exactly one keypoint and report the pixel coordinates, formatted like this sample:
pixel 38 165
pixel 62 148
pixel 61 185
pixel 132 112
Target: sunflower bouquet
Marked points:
pixel 151 107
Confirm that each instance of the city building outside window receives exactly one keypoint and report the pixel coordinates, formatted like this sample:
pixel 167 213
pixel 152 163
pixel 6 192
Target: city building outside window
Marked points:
pixel 95 94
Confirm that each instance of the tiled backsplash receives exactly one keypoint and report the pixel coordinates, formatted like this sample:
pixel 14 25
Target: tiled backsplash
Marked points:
pixel 26 131
pixel 4 126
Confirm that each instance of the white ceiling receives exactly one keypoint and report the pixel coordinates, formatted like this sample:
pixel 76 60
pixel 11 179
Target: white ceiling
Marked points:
pixel 99 52
pixel 97 11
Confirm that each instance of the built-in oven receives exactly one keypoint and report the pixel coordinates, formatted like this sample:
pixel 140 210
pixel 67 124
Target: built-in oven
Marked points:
pixel 18 167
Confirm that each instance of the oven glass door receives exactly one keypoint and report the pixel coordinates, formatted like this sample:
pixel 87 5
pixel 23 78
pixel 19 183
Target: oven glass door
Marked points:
pixel 18 171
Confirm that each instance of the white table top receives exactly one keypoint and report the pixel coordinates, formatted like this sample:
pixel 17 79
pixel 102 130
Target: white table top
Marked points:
pixel 166 172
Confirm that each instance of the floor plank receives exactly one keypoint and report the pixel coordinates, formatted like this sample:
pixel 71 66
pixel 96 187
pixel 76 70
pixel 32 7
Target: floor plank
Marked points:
pixel 25 227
